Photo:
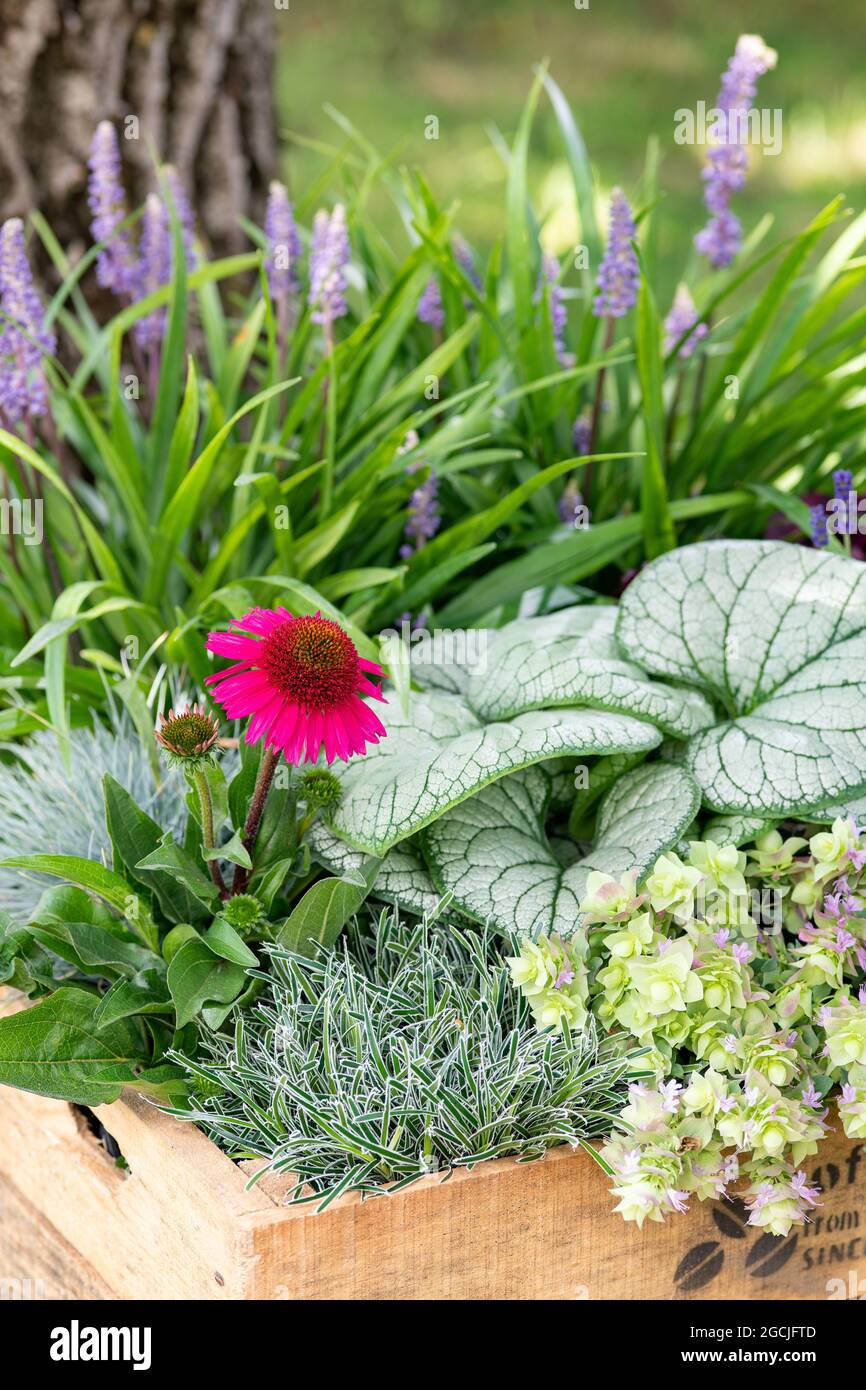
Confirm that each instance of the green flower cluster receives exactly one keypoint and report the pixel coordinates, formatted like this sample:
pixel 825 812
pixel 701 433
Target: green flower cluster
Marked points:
pixel 552 975
pixel 741 973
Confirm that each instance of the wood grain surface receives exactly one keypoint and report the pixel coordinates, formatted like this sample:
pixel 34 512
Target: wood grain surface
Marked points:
pixel 180 1223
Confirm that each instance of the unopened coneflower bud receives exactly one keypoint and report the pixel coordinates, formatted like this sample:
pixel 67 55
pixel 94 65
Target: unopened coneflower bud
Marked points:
pixel 242 912
pixel 321 788
pixel 189 736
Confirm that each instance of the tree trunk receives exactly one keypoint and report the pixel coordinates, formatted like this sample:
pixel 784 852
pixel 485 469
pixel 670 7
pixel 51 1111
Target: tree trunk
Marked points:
pixel 196 74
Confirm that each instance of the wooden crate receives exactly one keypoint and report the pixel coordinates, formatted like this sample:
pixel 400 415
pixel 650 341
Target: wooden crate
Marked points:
pixel 180 1224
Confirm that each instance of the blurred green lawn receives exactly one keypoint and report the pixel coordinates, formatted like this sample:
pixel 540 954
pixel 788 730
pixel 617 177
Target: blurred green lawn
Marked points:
pixel 625 65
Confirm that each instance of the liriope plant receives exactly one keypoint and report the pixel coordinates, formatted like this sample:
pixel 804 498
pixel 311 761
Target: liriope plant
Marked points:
pixel 374 430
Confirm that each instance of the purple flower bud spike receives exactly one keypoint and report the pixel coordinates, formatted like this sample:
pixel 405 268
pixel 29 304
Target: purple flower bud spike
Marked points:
pixel 430 305
pixel 682 317
pixel 424 519
pixel 619 273
pixel 284 252
pixel 184 213
pixel 581 432
pixel 24 337
pixel 329 256
pixel 556 301
pixel 818 517
pixel 727 161
pixel 154 268
pixel 463 256
pixel 116 265
pixel 843 484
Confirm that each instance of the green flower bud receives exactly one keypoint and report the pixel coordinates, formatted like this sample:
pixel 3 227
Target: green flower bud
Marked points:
pixel 242 912
pixel 320 788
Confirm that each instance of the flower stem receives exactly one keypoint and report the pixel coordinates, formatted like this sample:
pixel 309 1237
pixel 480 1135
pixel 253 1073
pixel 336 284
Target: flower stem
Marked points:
pixel 256 810
pixel 207 831
pixel 329 425
pixel 596 408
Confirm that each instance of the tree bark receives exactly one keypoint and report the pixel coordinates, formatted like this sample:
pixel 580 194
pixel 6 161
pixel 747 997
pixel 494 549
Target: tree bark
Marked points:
pixel 196 74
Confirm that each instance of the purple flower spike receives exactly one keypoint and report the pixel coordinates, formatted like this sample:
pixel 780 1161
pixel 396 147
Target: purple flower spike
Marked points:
pixel 116 263
pixel 619 273
pixel 154 268
pixel 720 239
pixel 843 483
pixel 682 317
pixel 184 213
pixel 818 517
pixel 23 335
pixel 581 431
pixel 727 161
pixel 329 256
pixel 556 300
pixel 430 305
pixel 463 256
pixel 570 505
pixel 424 519
pixel 284 246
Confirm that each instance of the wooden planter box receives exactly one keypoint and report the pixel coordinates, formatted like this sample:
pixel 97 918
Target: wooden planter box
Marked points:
pixel 180 1224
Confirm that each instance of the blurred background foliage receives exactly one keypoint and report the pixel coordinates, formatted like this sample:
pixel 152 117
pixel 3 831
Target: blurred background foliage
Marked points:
pixel 626 66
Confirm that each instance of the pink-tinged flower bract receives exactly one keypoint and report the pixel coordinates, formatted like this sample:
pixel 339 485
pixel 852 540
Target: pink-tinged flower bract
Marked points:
pixel 300 682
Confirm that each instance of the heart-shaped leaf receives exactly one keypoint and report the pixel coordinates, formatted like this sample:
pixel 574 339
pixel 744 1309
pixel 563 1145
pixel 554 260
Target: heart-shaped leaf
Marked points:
pixel 572 658
pixel 440 753
pixel 493 853
pixel 776 635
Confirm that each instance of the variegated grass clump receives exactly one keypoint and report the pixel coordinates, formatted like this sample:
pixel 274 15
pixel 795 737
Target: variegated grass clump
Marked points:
pixel 402 1052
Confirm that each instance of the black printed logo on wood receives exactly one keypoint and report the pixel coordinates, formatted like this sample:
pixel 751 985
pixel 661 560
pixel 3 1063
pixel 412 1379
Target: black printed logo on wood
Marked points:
pixel 765 1254
pixel 769 1254
pixel 703 1263
pixel 699 1266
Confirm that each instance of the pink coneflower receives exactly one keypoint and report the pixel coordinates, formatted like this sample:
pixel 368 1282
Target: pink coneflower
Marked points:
pixel 299 680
